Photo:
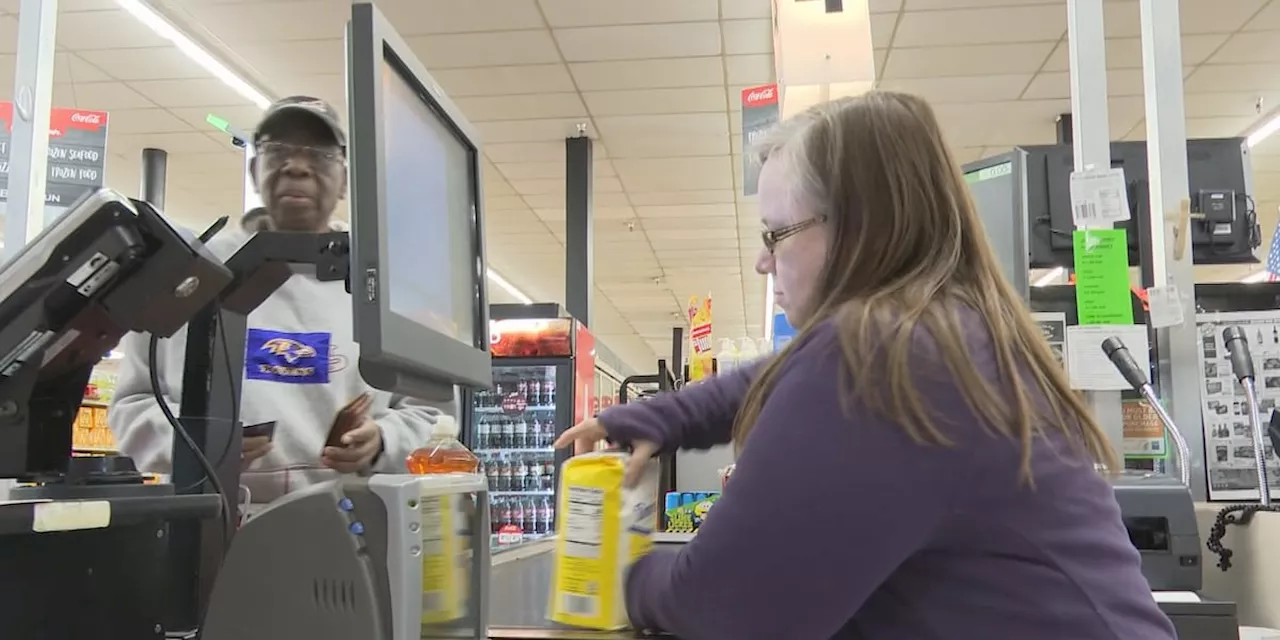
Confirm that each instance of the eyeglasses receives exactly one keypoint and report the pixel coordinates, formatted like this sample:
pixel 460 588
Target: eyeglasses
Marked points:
pixel 277 153
pixel 772 237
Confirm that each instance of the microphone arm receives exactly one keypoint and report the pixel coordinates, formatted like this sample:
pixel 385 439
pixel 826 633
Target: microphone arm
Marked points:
pixel 1242 364
pixel 1137 378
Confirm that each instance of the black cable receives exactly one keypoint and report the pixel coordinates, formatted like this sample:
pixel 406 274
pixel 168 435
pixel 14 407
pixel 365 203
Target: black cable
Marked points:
pixel 1219 530
pixel 224 515
pixel 235 410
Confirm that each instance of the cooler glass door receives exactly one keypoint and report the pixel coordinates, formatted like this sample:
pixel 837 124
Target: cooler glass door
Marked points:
pixel 515 424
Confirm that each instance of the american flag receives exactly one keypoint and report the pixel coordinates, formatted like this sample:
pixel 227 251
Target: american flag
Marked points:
pixel 1273 255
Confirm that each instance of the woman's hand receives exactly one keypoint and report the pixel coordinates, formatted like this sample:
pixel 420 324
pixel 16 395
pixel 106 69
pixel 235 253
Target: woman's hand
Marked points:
pixel 584 436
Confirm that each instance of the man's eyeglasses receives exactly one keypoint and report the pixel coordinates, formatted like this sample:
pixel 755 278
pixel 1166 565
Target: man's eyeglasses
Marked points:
pixel 772 237
pixel 277 153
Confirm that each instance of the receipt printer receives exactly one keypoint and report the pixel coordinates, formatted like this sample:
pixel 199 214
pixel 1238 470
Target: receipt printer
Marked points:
pixel 1160 517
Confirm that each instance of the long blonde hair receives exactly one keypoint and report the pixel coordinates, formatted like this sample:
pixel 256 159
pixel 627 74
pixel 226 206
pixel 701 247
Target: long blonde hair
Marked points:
pixel 908 251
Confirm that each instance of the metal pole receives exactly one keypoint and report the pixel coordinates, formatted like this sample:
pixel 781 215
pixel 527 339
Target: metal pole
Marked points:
pixel 1091 140
pixel 28 146
pixel 155 168
pixel 1177 365
pixel 677 352
pixel 578 213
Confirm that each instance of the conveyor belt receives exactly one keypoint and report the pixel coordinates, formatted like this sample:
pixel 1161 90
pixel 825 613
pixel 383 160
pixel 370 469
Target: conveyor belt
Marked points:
pixel 519 588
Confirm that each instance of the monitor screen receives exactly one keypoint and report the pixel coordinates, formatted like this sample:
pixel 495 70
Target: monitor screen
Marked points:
pixel 429 181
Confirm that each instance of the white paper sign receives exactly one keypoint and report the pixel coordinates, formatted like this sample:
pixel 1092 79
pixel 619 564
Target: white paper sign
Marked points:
pixel 1090 369
pixel 1099 197
pixel 1164 306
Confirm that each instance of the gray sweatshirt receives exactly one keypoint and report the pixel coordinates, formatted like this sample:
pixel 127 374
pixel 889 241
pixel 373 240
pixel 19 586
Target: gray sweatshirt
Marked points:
pixel 300 369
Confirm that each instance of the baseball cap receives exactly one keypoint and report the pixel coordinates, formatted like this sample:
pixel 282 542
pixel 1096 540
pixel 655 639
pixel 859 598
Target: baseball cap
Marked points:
pixel 294 106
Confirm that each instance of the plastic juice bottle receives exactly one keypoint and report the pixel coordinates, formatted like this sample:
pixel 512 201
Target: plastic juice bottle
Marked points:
pixel 443 453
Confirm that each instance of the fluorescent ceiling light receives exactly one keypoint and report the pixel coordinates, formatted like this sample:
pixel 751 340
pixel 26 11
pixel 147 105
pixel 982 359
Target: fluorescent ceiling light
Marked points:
pixel 1264 132
pixel 768 307
pixel 163 28
pixel 1260 276
pixel 1048 278
pixel 508 287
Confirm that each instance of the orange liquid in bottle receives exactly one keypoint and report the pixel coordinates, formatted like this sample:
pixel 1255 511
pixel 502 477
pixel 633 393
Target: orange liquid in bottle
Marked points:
pixel 442 456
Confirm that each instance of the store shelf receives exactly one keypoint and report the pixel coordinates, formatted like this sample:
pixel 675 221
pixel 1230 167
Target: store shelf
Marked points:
pixel 516 450
pixel 533 493
pixel 666 537
pixel 527 409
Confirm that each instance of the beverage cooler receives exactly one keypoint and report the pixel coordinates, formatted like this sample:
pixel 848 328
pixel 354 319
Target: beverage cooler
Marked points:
pixel 543 383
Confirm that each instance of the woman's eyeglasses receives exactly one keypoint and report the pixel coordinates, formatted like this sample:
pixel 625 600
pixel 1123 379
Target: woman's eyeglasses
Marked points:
pixel 772 237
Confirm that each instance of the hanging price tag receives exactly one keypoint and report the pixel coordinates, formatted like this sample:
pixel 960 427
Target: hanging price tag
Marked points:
pixel 1164 306
pixel 1099 197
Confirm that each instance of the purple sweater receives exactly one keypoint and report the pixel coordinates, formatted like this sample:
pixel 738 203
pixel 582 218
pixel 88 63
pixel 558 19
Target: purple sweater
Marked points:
pixel 836 525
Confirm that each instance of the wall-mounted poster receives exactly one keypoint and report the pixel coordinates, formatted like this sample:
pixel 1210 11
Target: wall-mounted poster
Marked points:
pixel 1228 441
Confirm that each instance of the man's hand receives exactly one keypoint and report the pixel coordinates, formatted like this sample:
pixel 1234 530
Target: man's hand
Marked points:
pixel 253 448
pixel 359 447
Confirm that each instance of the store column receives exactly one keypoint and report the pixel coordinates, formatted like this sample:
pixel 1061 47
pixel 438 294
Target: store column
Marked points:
pixel 1091 141
pixel 1178 369
pixel 579 240
pixel 28 152
pixel 155 168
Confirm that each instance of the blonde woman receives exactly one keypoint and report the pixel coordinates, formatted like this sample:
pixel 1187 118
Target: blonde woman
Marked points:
pixel 914 464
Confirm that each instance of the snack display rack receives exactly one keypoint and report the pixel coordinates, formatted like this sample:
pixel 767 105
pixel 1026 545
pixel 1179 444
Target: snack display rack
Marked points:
pixel 91 435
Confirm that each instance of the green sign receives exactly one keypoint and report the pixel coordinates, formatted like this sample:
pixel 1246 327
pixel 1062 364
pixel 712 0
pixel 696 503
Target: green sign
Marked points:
pixel 1102 276
pixel 994 171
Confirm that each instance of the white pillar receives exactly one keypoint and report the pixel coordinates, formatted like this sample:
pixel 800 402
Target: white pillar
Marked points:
pixel 1178 369
pixel 29 141
pixel 1091 140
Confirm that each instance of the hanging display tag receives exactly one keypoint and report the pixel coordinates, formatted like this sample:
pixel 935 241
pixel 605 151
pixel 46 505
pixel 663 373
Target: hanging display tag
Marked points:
pixel 1099 197
pixel 1165 306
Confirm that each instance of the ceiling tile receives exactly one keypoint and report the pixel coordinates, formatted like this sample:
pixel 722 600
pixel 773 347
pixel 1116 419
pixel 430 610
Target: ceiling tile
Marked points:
pixel 662 125
pixel 524 106
pixel 981 26
pixel 489 49
pixel 634 42
pixel 490 81
pixel 749 70
pixel 188 93
pixel 1120 82
pixel 107 96
pixel 648 74
pixel 1245 48
pixel 1233 77
pixel 259 22
pixel 1196 16
pixel 587 13
pixel 963 89
pixel 693 197
pixel 748 36
pixel 528 130
pixel 422 17
pixel 130 121
pixel 145 64
pixel 933 62
pixel 633 145
pixel 243 118
pixel 656 101
pixel 1126 53
pixel 129 145
pixel 537 151
pixel 111 29
pixel 681 211
pixel 1209 105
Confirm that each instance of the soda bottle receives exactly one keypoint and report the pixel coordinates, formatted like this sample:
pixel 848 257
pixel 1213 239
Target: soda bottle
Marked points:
pixel 482 432
pixel 549 473
pixel 490 471
pixel 549 431
pixel 520 434
pixel 548 393
pixel 495 514
pixel 504 475
pixel 520 475
pixel 522 390
pixel 505 513
pixel 517 513
pixel 508 433
pixel 443 453
pixel 547 515
pixel 534 394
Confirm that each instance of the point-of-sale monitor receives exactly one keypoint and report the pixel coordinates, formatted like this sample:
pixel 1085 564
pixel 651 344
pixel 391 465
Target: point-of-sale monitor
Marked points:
pixel 417 264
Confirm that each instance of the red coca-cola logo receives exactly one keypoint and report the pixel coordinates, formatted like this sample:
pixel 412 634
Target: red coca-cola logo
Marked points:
pixel 86 118
pixel 760 96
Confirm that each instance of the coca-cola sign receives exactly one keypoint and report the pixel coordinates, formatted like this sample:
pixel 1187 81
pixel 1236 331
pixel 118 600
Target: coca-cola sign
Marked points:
pixel 81 117
pixel 760 96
